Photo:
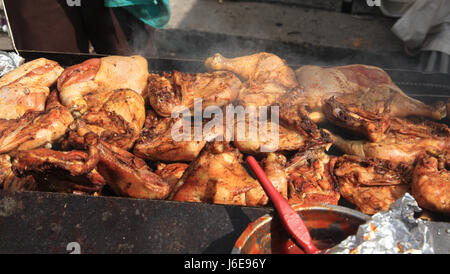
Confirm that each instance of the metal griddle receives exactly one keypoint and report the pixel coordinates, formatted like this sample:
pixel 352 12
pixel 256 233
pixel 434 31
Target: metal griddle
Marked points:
pixel 40 222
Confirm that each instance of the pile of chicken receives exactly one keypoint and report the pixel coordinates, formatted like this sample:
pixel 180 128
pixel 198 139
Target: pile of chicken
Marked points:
pixel 107 124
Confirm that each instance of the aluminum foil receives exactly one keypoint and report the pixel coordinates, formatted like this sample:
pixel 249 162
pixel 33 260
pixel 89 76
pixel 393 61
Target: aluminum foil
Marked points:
pixel 395 231
pixel 9 61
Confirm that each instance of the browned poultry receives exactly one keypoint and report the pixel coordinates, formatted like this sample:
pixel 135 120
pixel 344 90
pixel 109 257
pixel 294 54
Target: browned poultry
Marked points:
pixel 266 76
pixel 373 83
pixel 26 88
pixel 80 86
pixel 171 173
pixel 403 142
pixel 218 176
pixel 309 179
pixel 157 142
pixel 118 120
pixel 372 185
pixel 62 171
pixel 35 129
pixel 431 183
pixel 275 168
pixel 9 180
pixel 172 92
pixel 128 175
pixel 355 119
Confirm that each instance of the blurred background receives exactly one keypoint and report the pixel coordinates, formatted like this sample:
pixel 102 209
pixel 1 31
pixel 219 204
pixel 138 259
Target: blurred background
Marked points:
pixel 324 32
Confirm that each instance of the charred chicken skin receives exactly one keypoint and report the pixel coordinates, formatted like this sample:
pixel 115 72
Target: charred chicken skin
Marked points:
pixel 171 92
pixel 372 185
pixel 35 129
pixel 118 120
pixel 62 171
pixel 128 175
pixel 27 87
pixel 266 76
pixel 309 178
pixel 218 176
pixel 157 142
pixel 431 183
pixel 79 84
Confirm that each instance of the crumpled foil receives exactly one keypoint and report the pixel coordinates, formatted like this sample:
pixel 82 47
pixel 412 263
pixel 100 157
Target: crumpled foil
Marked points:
pixel 395 231
pixel 9 61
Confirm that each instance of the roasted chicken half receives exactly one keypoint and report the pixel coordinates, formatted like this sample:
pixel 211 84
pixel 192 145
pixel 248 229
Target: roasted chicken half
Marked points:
pixel 171 92
pixel 117 119
pixel 26 88
pixel 309 178
pixel 266 76
pixel 403 142
pixel 218 176
pixel 431 183
pixel 373 83
pixel 371 184
pixel 81 86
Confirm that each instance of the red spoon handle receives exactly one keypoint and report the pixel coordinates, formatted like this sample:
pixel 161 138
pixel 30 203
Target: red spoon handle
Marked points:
pixel 291 220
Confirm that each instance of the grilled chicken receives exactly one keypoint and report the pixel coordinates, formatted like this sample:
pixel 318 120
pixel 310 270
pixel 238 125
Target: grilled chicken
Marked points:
pixel 35 129
pixel 26 88
pixel 355 119
pixel 80 86
pixel 371 184
pixel 9 180
pixel 62 171
pixel 403 142
pixel 431 183
pixel 374 83
pixel 171 92
pixel 309 178
pixel 171 173
pixel 157 140
pixel 128 175
pixel 118 120
pixel 218 176
pixel 275 168
pixel 266 76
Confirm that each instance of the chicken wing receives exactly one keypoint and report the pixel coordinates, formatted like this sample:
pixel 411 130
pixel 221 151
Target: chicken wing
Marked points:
pixel 275 168
pixel 35 129
pixel 170 92
pixel 431 183
pixel 371 184
pixel 27 87
pixel 266 76
pixel 117 121
pixel 309 178
pixel 80 83
pixel 218 176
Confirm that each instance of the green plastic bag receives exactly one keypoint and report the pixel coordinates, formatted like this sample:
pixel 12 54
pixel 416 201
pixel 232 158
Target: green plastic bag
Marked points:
pixel 155 13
